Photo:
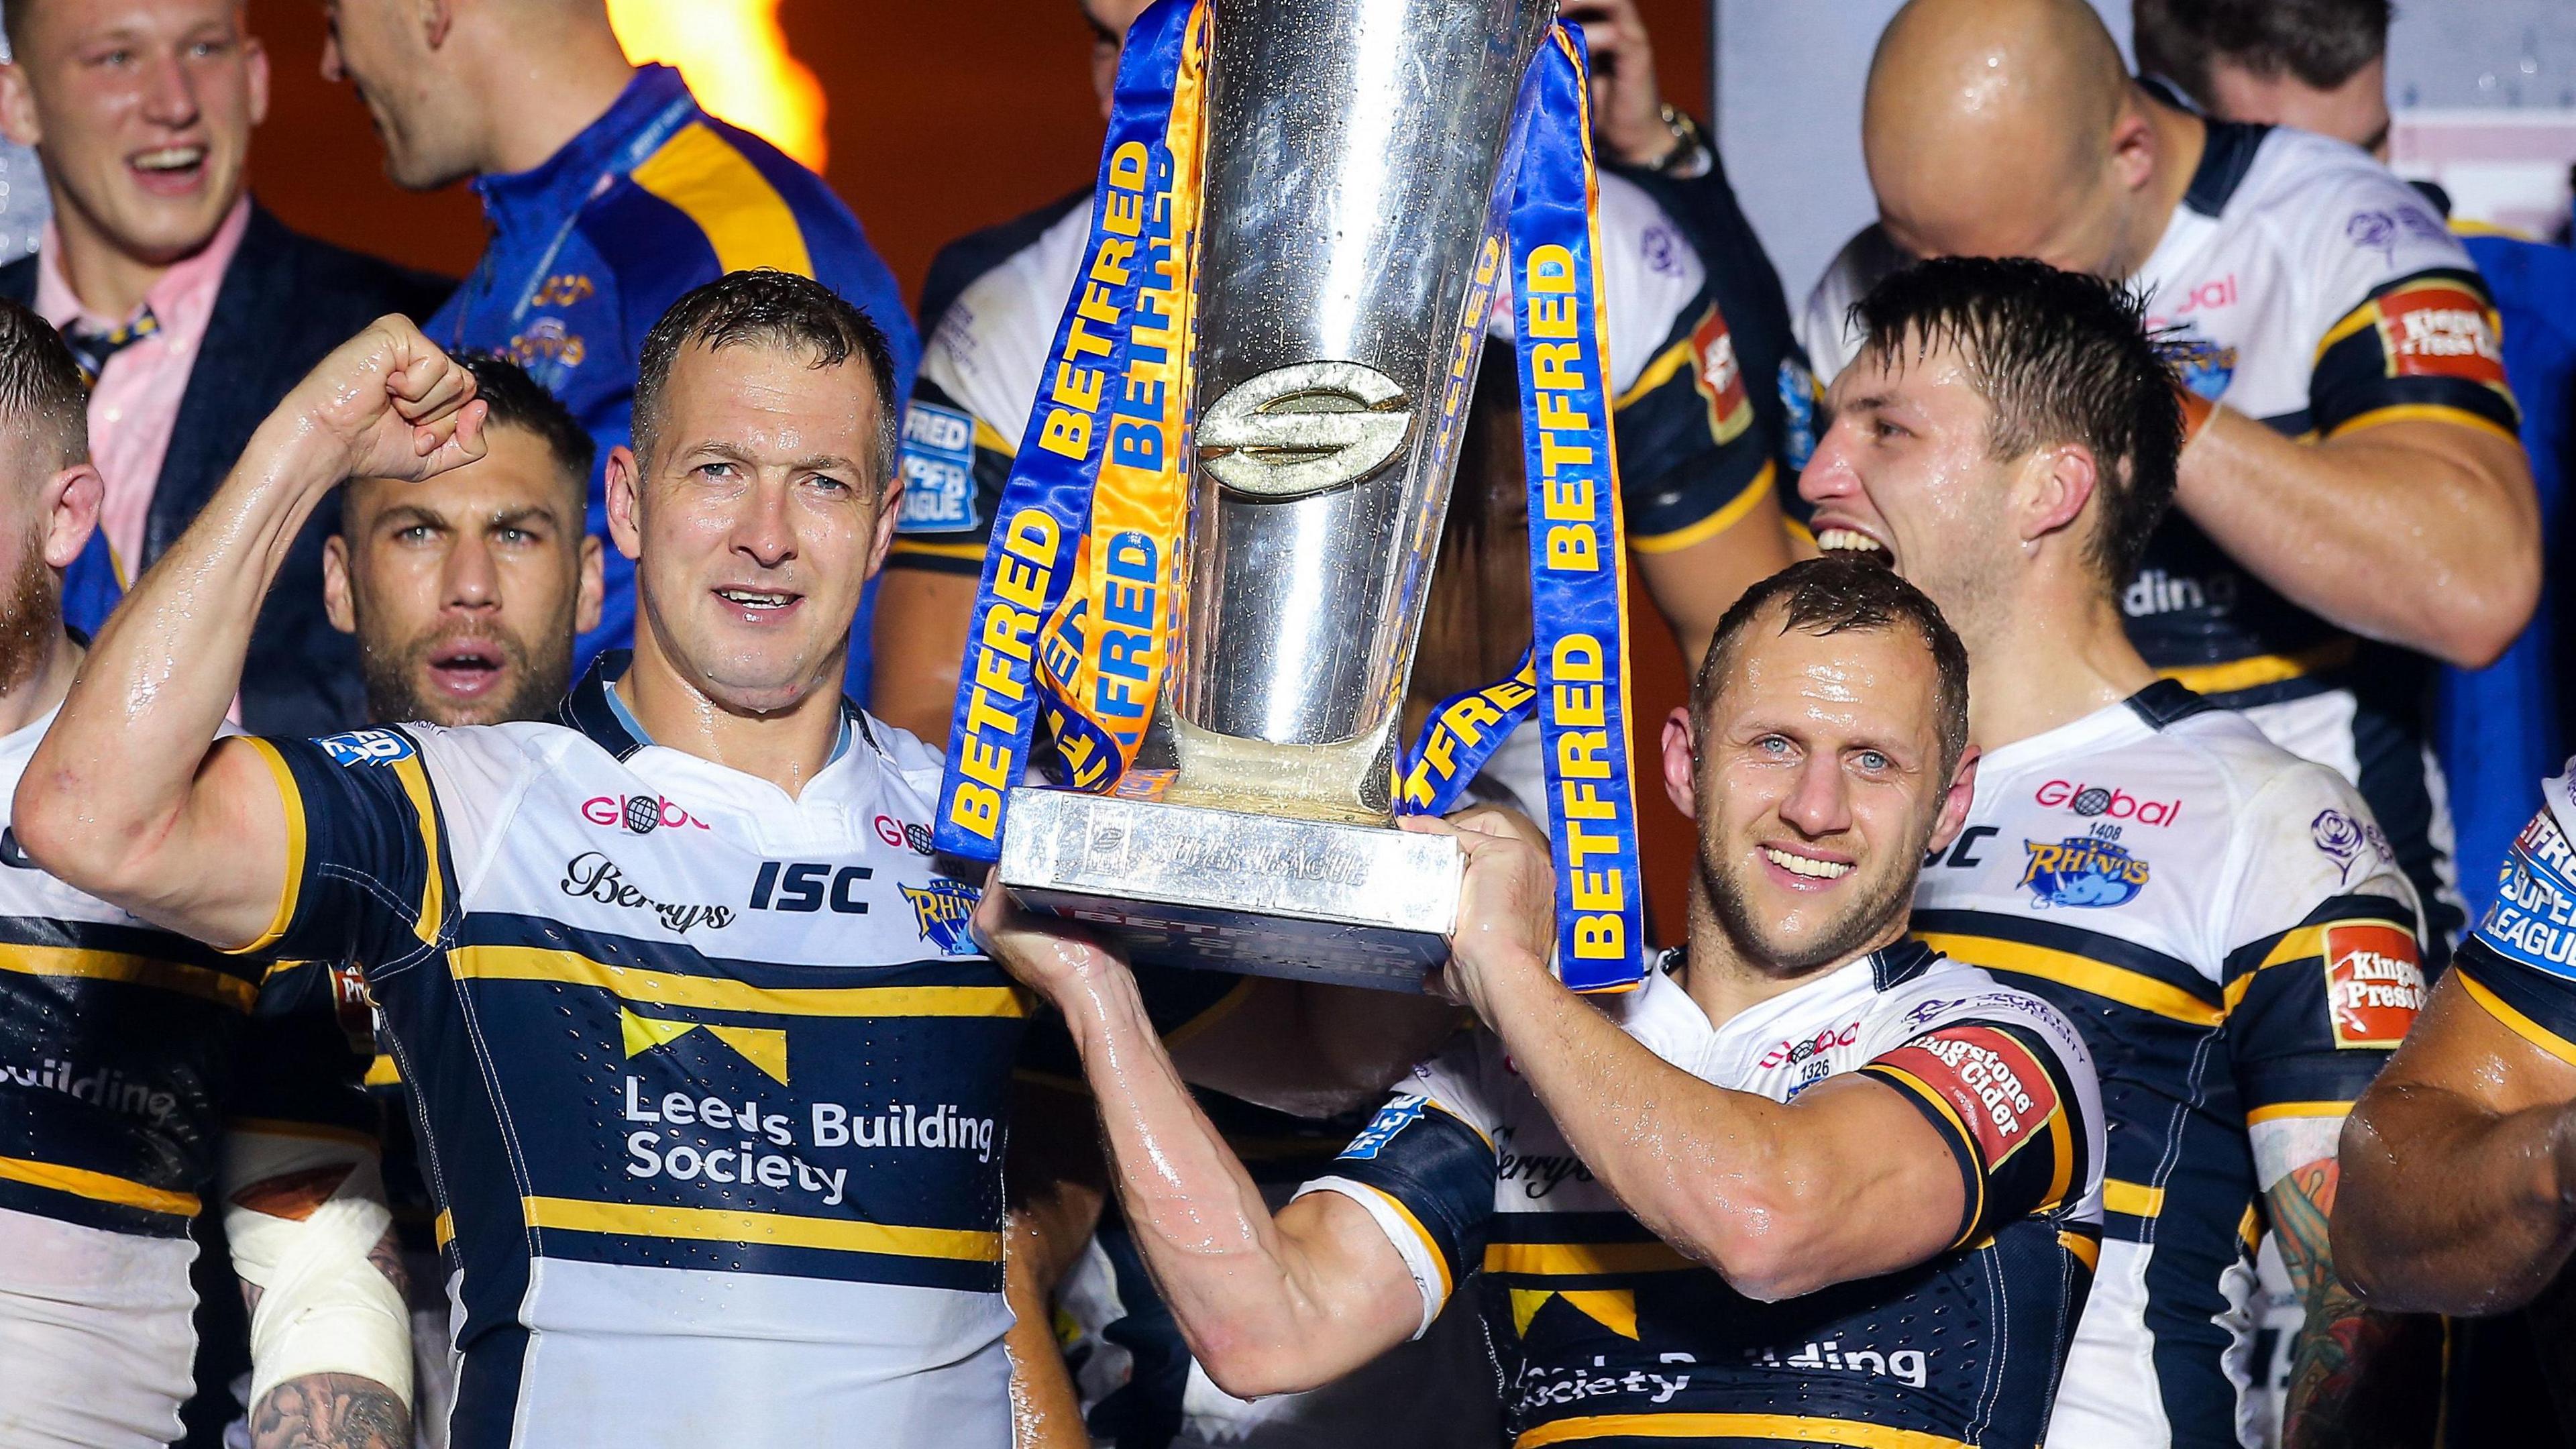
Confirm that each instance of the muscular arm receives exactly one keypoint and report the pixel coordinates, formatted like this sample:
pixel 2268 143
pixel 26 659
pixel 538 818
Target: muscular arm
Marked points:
pixel 920 641
pixel 1267 1305
pixel 2445 507
pixel 129 797
pixel 1847 1182
pixel 2340 1344
pixel 2456 1195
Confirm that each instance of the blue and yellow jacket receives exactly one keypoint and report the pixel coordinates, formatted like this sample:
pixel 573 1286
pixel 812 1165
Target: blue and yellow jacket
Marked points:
pixel 588 250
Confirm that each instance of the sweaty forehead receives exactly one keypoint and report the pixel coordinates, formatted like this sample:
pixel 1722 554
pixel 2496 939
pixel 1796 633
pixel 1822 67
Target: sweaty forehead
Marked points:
pixel 753 392
pixel 1875 684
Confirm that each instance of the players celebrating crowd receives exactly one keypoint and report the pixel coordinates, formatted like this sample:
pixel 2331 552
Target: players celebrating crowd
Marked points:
pixel 610 1055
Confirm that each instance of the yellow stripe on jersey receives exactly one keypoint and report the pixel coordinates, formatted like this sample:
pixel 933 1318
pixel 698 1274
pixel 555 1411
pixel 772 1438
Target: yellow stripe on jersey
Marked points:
pixel 1658 372
pixel 1574 1260
pixel 2256 670
pixel 970 552
pixel 415 783
pixel 988 436
pixel 292 800
pixel 2359 319
pixel 2086 1248
pixel 747 222
pixel 2422 413
pixel 1430 1244
pixel 2114 983
pixel 1783 1428
pixel 124 966
pixel 384 1071
pixel 2306 943
pixel 1716 523
pixel 710 993
pixel 2521 1025
pixel 1958 1129
pixel 2131 1199
pixel 779 1230
pixel 442 1229
pixel 98 1186
pixel 2281 1110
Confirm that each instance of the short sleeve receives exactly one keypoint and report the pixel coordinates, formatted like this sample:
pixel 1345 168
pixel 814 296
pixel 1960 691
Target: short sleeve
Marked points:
pixel 2520 964
pixel 2003 1095
pixel 1424 1169
pixel 1695 455
pixel 2324 968
pixel 302 1067
pixel 368 873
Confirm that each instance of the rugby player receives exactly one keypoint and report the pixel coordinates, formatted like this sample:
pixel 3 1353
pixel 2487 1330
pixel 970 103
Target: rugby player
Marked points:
pixel 2224 919
pixel 136 1078
pixel 2359 479
pixel 711 1087
pixel 1812 1183
pixel 1709 400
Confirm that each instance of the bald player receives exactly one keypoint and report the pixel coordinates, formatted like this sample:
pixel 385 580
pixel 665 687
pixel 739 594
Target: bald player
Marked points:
pixel 2352 494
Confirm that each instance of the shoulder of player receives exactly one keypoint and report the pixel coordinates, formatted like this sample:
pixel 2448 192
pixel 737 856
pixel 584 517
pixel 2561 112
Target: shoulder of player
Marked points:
pixel 1823 323
pixel 1952 992
pixel 989 331
pixel 999 256
pixel 2321 201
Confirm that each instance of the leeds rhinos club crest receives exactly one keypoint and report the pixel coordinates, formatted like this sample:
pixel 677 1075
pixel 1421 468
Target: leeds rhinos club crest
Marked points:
pixel 2081 871
pixel 941 909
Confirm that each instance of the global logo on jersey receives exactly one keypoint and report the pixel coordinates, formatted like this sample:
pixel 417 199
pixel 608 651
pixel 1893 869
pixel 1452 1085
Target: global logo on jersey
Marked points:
pixel 2090 801
pixel 367 747
pixel 1784 1053
pixel 2082 872
pixel 942 909
pixel 639 814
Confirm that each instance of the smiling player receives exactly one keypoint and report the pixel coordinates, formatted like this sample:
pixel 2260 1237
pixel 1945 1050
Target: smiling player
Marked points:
pixel 2225 919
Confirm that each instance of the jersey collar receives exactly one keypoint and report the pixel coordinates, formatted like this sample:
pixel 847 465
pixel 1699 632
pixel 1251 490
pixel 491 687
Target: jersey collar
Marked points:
pixel 594 710
pixel 545 193
pixel 2166 703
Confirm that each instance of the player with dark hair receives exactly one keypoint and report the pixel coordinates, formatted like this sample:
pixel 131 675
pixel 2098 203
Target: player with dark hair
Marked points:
pixel 2319 65
pixel 2225 920
pixel 142 1075
pixel 710 1079
pixel 1812 1183
pixel 2351 497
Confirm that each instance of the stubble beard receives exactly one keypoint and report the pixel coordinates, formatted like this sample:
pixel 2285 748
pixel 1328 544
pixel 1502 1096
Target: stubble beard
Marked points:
pixel 395 696
pixel 31 619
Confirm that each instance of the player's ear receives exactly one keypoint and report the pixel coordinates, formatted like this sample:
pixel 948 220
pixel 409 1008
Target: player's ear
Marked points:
pixel 593 589
pixel 625 481
pixel 69 507
pixel 2133 147
pixel 336 603
pixel 1681 762
pixel 1956 797
pixel 2055 485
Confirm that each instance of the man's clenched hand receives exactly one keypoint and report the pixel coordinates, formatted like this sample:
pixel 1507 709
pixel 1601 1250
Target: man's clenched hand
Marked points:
pixel 388 403
pixel 1506 907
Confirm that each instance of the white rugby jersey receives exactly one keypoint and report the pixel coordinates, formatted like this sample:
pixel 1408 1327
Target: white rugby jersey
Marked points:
pixel 2304 286
pixel 710 1080
pixel 1604 1329
pixel 2233 935
pixel 1691 458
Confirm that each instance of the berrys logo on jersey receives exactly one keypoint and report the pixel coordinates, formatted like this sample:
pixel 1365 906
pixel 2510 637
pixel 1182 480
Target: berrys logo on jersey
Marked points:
pixel 942 909
pixel 2533 917
pixel 1392 1118
pixel 366 747
pixel 2440 329
pixel 2083 872
pixel 938 470
pixel 1720 377
pixel 1998 1088
pixel 2374 982
pixel 2108 801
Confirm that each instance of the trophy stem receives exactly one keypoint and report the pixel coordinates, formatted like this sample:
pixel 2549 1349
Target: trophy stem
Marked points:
pixel 1328 783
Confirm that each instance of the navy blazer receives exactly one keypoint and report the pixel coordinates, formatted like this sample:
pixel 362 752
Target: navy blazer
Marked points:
pixel 285 302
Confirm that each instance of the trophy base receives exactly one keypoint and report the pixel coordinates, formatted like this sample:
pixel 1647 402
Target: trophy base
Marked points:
pixel 1184 885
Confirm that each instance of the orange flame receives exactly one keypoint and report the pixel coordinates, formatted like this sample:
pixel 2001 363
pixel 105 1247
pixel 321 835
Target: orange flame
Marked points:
pixel 734 55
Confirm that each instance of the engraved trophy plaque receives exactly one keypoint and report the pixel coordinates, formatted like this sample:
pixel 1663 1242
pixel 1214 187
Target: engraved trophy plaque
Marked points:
pixel 1351 153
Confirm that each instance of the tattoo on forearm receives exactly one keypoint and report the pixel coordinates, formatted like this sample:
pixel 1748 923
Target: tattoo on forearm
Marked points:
pixel 2339 1340
pixel 330 1411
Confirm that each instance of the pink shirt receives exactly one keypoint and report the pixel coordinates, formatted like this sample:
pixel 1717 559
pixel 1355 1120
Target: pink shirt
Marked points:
pixel 136 403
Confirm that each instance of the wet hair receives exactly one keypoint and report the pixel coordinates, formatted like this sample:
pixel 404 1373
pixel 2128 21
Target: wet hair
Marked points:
pixel 770 308
pixel 43 397
pixel 2322 42
pixel 2060 357
pixel 520 401
pixel 1827 596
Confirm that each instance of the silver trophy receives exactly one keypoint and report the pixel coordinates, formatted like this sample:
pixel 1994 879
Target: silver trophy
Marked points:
pixel 1352 148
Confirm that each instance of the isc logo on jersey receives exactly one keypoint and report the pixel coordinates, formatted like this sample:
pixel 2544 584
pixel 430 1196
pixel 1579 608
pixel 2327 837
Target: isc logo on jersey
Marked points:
pixel 2110 802
pixel 2374 982
pixel 2078 871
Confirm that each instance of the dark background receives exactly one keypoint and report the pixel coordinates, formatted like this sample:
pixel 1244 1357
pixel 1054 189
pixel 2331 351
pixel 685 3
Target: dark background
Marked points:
pixel 944 117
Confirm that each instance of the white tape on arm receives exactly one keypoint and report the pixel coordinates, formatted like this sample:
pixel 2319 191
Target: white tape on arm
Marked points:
pixel 324 1306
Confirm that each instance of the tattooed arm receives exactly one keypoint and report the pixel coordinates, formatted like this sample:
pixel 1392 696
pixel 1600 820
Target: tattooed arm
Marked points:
pixel 336 1410
pixel 2348 1363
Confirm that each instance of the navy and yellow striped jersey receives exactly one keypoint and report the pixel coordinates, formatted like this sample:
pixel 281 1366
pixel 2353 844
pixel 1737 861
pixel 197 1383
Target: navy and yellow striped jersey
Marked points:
pixel 2231 931
pixel 127 1054
pixel 1610 1336
pixel 2301 285
pixel 709 1080
pixel 1696 449
pixel 2520 963
pixel 650 201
